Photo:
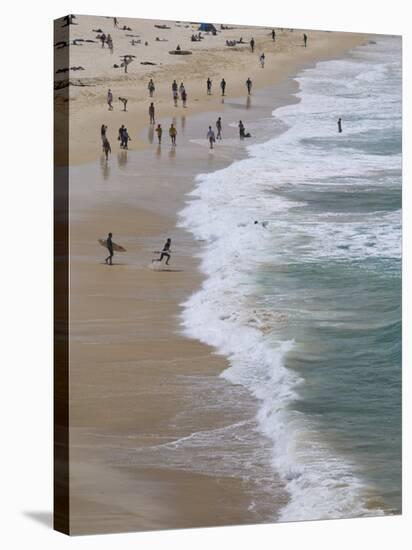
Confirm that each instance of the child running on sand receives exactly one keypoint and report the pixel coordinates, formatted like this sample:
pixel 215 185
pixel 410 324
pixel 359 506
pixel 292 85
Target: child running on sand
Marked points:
pixel 173 134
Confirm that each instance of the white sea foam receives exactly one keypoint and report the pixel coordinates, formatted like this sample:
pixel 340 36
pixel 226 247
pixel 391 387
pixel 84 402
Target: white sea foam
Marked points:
pixel 227 312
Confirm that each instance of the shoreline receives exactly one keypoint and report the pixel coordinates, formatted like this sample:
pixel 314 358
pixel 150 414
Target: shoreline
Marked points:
pixel 158 302
pixel 284 57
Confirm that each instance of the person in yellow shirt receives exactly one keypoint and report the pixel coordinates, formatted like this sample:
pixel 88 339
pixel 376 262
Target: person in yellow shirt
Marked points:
pixel 173 134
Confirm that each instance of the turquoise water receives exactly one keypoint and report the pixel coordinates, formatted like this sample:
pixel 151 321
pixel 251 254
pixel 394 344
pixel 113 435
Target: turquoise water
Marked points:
pixel 306 304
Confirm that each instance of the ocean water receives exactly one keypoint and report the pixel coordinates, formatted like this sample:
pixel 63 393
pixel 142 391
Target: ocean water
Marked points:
pixel 306 304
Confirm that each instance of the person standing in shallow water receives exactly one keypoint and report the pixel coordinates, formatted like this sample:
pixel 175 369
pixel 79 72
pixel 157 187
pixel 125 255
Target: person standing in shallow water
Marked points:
pixel 109 244
pixel 184 97
pixel 103 131
pixel 159 133
pixel 340 125
pixel 248 85
pixel 173 134
pixel 106 148
pixel 152 113
pixel 175 97
pixel 219 128
pixel 211 137
pixel 241 130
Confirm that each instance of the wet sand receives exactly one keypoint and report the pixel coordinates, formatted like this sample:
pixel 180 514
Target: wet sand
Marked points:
pixel 210 58
pixel 134 382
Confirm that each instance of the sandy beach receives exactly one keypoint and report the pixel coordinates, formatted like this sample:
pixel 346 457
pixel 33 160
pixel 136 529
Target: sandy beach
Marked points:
pixel 134 378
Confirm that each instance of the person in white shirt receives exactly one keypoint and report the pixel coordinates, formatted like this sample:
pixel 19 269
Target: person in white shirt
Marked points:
pixel 211 137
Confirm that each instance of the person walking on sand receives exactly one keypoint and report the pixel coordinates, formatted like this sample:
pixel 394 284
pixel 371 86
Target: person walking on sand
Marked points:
pixel 175 97
pixel 223 86
pixel 209 86
pixel 152 113
pixel 273 35
pixel 106 148
pixel 151 87
pixel 103 39
pixel 109 244
pixel 252 45
pixel 173 134
pixel 110 99
pixel 103 131
pixel 120 135
pixel 184 97
pixel 340 125
pixel 109 41
pixel 211 137
pixel 174 86
pixel 249 85
pixel 126 62
pixel 305 40
pixel 165 253
pixel 159 133
pixel 262 60
pixel 115 22
pixel 181 89
pixel 219 128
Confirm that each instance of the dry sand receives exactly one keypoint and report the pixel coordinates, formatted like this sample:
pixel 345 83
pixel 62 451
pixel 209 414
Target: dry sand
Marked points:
pixel 133 375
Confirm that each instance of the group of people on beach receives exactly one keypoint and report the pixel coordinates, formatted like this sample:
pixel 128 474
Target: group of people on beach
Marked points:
pixel 176 91
pixel 106 39
pixel 179 92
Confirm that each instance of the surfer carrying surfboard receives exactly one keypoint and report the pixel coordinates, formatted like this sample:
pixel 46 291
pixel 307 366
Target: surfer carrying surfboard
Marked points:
pixel 165 253
pixel 109 244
